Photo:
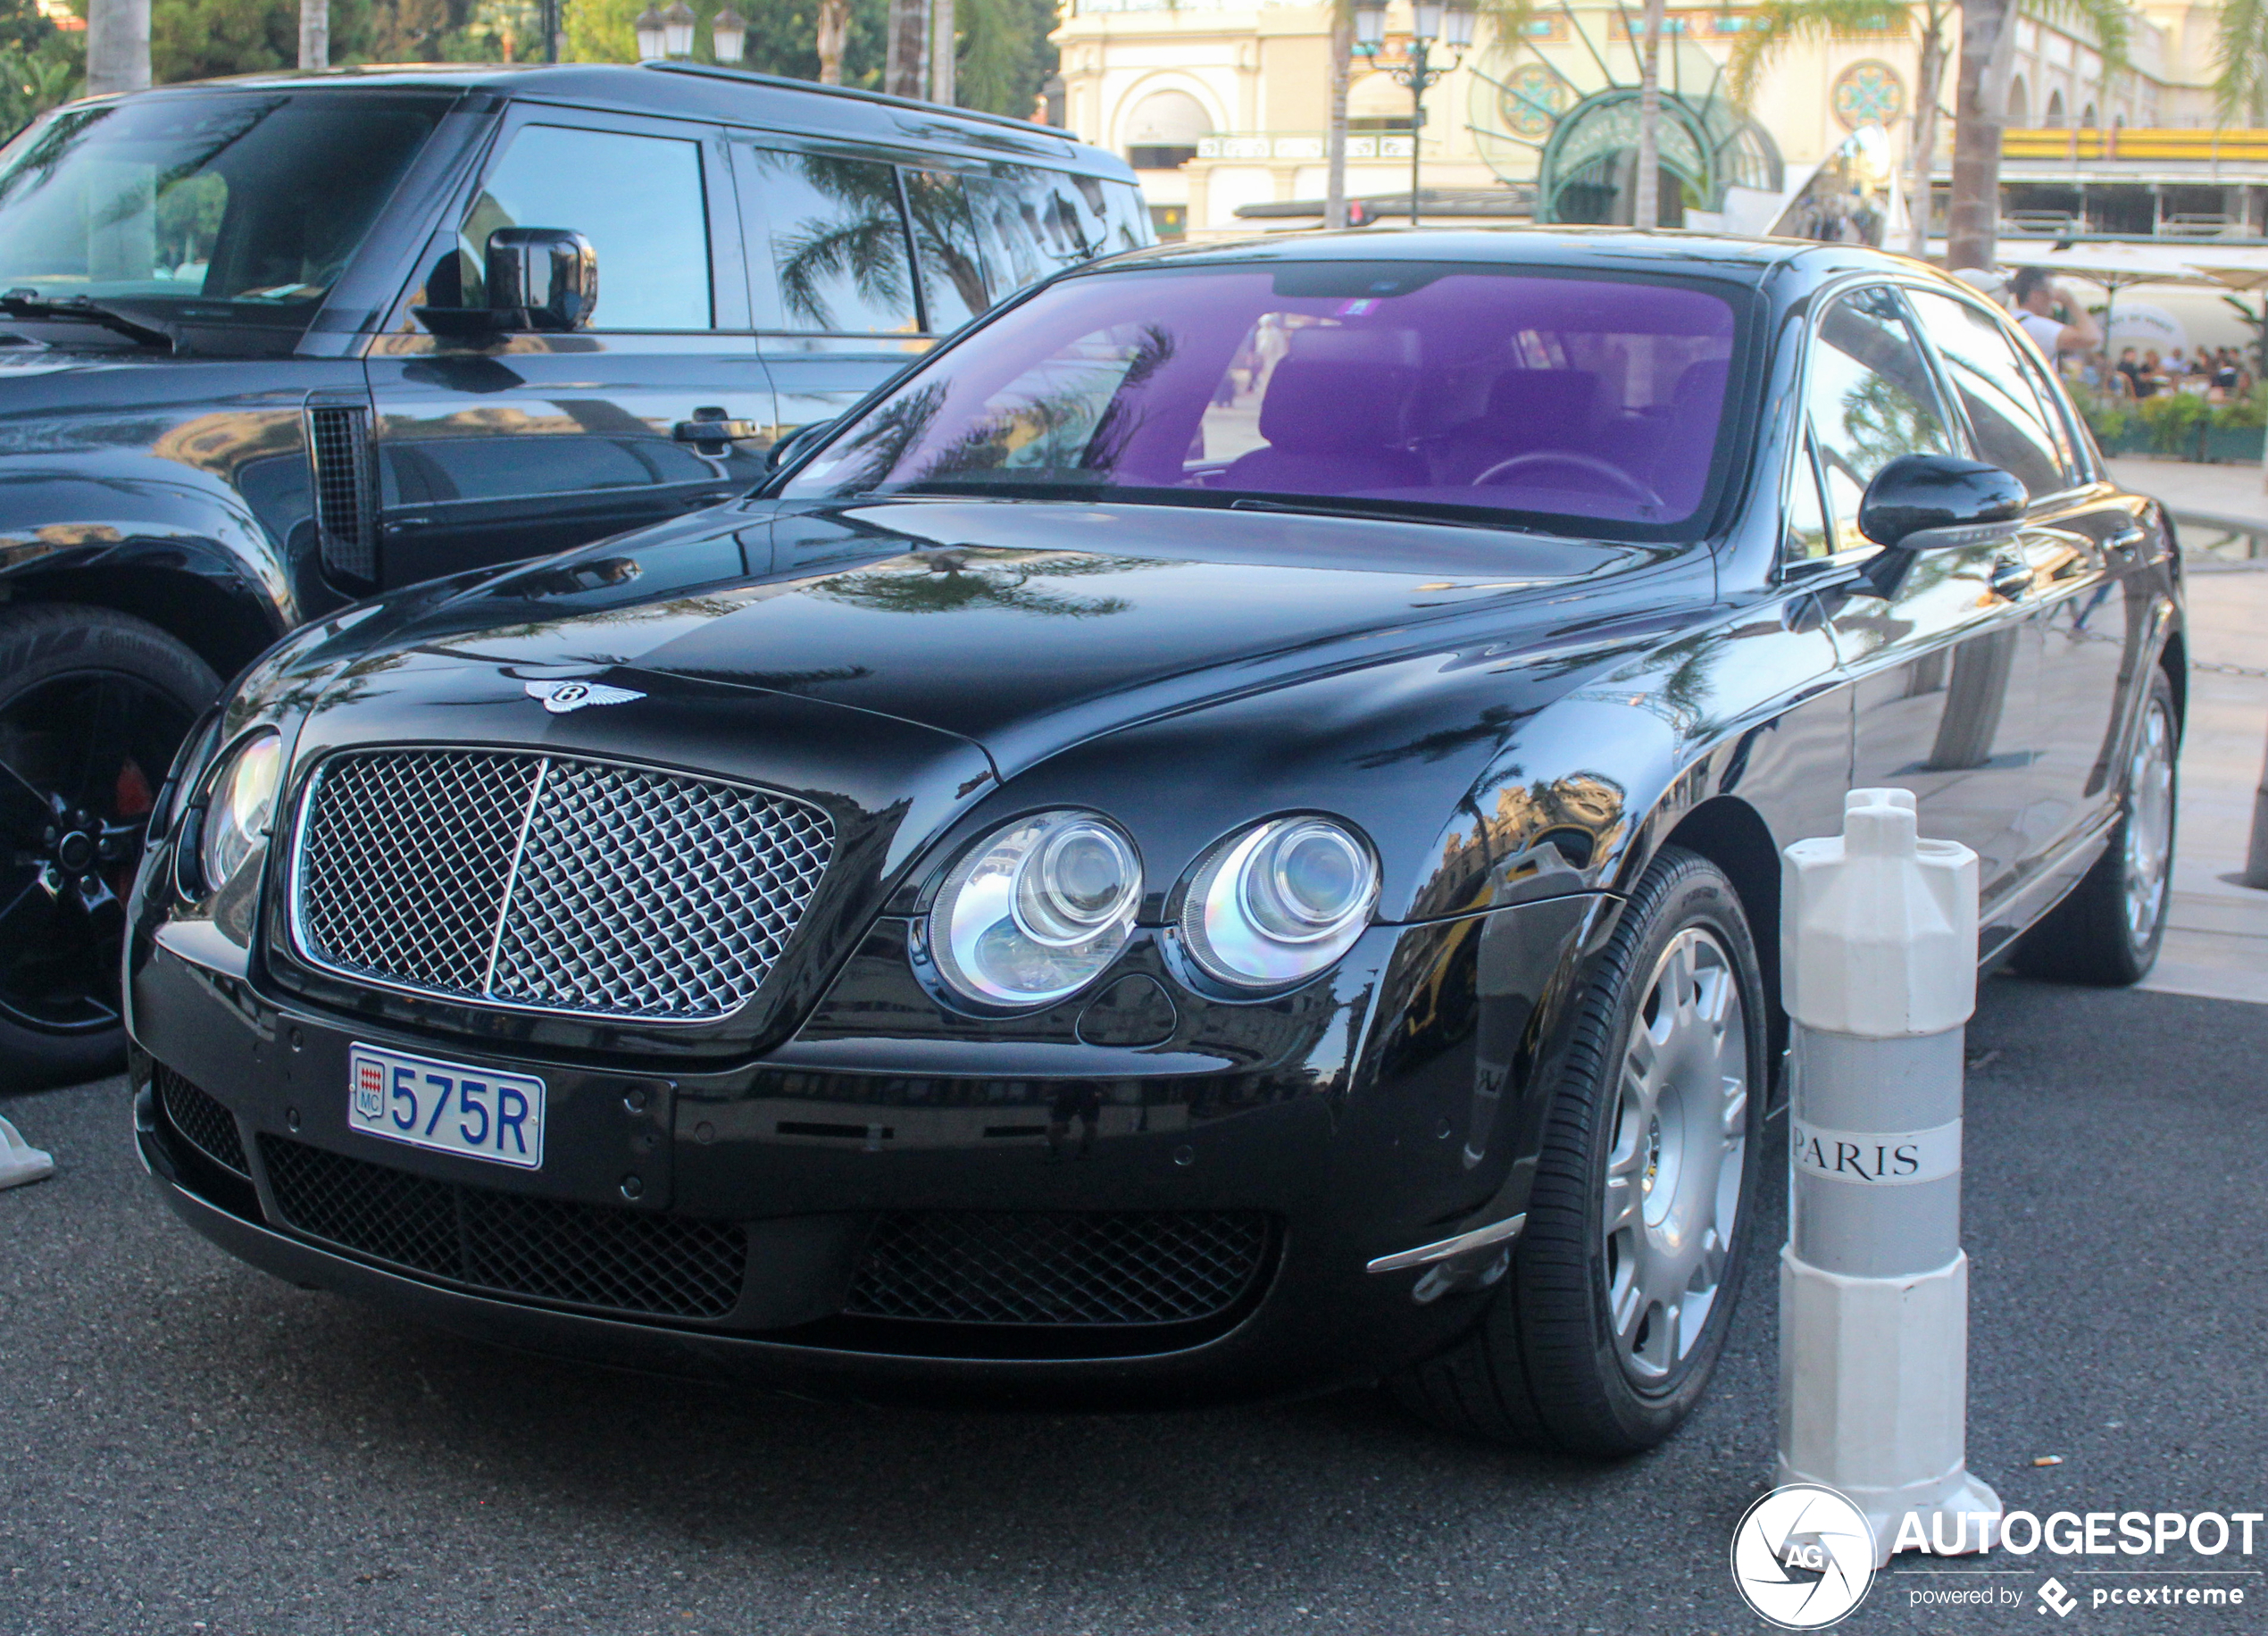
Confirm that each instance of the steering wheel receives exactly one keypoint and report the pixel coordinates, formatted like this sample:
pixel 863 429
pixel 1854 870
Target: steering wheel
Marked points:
pixel 1615 477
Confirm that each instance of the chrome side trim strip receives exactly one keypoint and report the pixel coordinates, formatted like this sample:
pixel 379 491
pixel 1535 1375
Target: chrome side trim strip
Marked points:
pixel 1425 1254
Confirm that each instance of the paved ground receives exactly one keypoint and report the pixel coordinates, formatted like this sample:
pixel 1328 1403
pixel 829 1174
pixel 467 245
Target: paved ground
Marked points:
pixel 2217 944
pixel 184 1441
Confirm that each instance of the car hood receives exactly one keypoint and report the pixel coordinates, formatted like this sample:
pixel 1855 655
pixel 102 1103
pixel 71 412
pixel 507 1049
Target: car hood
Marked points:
pixel 1020 625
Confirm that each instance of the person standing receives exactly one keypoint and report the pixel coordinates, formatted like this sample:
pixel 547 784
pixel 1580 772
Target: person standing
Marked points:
pixel 2051 314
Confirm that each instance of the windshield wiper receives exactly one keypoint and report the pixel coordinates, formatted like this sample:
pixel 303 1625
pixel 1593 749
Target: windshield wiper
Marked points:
pixel 27 303
pixel 1323 508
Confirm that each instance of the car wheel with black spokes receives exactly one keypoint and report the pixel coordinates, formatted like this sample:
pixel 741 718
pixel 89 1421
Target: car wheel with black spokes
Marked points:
pixel 93 705
pixel 1604 1333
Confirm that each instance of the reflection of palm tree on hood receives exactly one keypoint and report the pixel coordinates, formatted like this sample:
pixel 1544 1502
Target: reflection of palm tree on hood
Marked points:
pixel 866 243
pixel 948 581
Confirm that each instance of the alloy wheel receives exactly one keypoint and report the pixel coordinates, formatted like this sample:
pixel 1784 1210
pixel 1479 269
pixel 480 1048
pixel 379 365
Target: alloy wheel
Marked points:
pixel 81 756
pixel 2149 822
pixel 1679 1148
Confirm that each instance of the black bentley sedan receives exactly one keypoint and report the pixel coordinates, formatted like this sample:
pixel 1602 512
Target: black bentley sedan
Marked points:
pixel 1219 836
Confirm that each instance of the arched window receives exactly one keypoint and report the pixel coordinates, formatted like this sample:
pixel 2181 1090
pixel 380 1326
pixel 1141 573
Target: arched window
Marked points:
pixel 2086 117
pixel 2054 119
pixel 1162 132
pixel 1375 102
pixel 2019 103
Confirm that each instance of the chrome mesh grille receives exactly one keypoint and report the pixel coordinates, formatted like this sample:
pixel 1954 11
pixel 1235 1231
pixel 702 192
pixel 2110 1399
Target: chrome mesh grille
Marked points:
pixel 550 882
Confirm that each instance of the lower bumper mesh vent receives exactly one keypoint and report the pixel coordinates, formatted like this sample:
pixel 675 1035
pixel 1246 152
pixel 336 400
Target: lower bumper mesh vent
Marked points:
pixel 974 1267
pixel 667 1266
pixel 203 1122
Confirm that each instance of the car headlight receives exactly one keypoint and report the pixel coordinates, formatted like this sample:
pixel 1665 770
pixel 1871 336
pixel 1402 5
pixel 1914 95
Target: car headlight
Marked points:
pixel 1279 902
pixel 239 806
pixel 1035 910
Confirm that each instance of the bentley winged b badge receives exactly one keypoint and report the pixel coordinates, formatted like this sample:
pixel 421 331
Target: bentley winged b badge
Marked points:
pixel 559 698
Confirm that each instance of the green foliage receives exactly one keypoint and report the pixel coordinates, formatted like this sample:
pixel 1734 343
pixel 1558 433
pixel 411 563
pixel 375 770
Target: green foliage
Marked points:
pixel 2172 420
pixel 202 39
pixel 1005 54
pixel 35 78
pixel 2108 418
pixel 2240 62
pixel 2246 412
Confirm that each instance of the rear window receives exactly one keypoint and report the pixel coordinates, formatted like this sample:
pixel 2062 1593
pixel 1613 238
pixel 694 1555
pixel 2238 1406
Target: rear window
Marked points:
pixel 1385 386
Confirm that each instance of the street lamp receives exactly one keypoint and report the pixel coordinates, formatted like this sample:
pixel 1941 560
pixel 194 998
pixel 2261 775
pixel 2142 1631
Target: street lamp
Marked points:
pixel 729 34
pixel 651 37
pixel 1433 22
pixel 677 31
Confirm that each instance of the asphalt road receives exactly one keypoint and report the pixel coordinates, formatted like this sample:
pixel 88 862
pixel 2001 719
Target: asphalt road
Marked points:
pixel 187 1445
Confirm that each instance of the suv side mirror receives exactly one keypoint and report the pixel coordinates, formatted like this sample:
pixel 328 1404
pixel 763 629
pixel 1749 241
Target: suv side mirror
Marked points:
pixel 1934 503
pixel 538 278
pixel 541 278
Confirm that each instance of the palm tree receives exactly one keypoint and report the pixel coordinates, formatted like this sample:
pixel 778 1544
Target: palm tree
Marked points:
pixel 833 28
pixel 2240 53
pixel 1978 114
pixel 1646 204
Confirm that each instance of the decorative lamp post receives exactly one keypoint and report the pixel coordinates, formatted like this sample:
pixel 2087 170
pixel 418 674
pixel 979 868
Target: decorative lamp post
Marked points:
pixel 651 35
pixel 677 31
pixel 729 34
pixel 1432 22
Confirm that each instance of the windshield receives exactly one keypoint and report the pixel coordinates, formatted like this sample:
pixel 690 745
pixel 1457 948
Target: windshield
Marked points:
pixel 227 208
pixel 1374 385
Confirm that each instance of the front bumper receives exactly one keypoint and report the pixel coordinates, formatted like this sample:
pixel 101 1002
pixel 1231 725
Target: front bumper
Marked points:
pixel 729 1222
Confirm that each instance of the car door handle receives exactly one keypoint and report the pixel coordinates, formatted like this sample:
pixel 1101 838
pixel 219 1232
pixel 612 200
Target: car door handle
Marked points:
pixel 714 425
pixel 2009 580
pixel 2127 538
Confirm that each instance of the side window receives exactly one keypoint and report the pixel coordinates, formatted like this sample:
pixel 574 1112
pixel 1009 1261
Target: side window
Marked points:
pixel 1870 399
pixel 945 248
pixel 2004 412
pixel 1126 219
pixel 2055 410
pixel 835 237
pixel 638 199
pixel 1807 538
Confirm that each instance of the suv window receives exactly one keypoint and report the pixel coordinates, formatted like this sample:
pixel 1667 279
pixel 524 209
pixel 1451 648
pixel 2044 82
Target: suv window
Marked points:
pixel 835 237
pixel 638 199
pixel 219 207
pixel 2004 412
pixel 1870 399
pixel 953 287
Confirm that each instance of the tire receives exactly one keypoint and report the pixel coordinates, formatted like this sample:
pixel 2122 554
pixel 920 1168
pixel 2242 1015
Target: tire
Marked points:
pixel 2106 934
pixel 1561 1359
pixel 93 705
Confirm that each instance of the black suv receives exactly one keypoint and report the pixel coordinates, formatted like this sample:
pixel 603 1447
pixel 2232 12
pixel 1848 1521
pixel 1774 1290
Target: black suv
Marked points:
pixel 269 345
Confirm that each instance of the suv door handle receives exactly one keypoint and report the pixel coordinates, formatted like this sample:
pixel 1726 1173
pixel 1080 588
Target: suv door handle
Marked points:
pixel 2126 539
pixel 714 425
pixel 2009 580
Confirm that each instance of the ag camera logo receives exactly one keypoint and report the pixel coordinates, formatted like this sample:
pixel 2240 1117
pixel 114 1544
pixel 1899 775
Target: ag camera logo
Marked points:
pixel 1803 1557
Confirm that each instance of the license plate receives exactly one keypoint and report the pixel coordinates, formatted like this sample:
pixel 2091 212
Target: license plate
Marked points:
pixel 474 1112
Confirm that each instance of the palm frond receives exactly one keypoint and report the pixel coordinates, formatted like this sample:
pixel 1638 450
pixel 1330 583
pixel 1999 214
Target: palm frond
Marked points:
pixel 1781 23
pixel 2240 61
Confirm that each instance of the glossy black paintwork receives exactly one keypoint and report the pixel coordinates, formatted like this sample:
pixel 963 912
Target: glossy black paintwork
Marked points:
pixel 1517 722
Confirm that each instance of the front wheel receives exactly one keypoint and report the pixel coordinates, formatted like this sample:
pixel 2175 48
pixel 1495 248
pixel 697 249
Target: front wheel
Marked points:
pixel 93 705
pixel 1601 1338
pixel 2107 932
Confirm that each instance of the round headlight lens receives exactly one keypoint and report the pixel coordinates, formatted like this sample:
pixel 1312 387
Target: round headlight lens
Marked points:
pixel 1279 902
pixel 239 806
pixel 1035 910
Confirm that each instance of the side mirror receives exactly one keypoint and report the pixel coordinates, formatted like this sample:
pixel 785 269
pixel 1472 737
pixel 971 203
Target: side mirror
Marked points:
pixel 797 444
pixel 541 278
pixel 538 278
pixel 1935 503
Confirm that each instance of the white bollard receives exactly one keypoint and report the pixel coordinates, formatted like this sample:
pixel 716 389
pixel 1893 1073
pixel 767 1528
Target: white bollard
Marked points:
pixel 1878 956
